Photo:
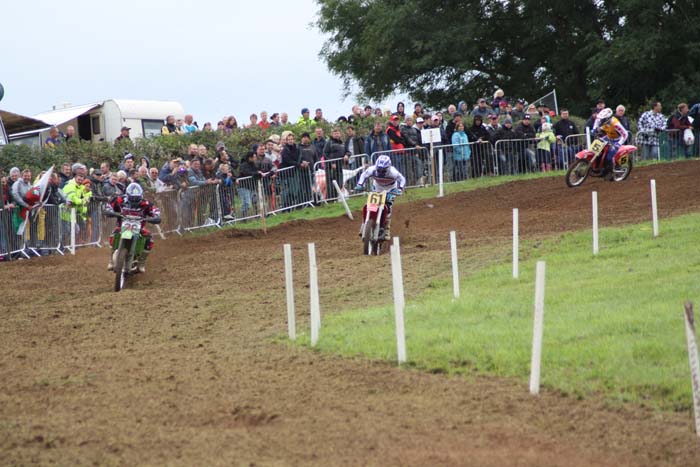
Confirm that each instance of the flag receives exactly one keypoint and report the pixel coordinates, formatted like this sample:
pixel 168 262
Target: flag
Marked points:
pixel 33 198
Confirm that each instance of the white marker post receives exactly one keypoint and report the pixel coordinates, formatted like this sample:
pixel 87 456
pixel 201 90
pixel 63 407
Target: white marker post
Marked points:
pixel 289 282
pixel 441 192
pixel 654 210
pixel 397 278
pixel 693 361
pixel 516 247
pixel 595 222
pixel 261 207
pixel 343 200
pixel 538 324
pixel 588 138
pixel 73 222
pixel 313 288
pixel 455 266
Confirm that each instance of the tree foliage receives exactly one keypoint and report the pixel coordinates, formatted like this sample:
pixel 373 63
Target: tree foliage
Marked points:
pixel 441 52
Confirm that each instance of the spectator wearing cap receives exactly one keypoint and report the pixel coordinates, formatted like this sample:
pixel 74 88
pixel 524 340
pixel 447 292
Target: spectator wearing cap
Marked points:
pixel 127 163
pixel 518 113
pixel 492 126
pixel 275 120
pixel 305 123
pixel 123 135
pixel 264 123
pixel 436 122
pixel 396 139
pixel 507 153
pixel 525 130
pixel 481 110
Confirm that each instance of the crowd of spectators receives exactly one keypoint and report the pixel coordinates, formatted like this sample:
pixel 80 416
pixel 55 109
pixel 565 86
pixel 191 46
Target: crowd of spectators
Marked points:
pixel 501 119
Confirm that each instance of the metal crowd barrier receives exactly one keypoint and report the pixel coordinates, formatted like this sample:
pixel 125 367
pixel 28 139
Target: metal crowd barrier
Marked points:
pixel 345 173
pixel 290 188
pixel 11 244
pixel 243 196
pixel 44 230
pixel 88 229
pixel 456 161
pixel 413 163
pixel 666 145
pixel 169 204
pixel 520 156
pixel 200 207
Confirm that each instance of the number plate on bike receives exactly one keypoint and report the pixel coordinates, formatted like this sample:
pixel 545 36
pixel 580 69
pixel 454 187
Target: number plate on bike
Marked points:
pixel 129 229
pixel 375 201
pixel 597 147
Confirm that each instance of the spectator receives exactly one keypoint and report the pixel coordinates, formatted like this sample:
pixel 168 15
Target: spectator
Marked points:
pixel 307 150
pixel 452 125
pixel 305 123
pixel 170 128
pixel 223 157
pixel 518 113
pixel 247 182
pixel 53 194
pixel 334 148
pixel 319 141
pixel 291 188
pixel 678 123
pixel 77 192
pixel 378 112
pixel 123 135
pixel 152 180
pixel 562 130
pixel 451 109
pixel 463 108
pixel 207 126
pixel 180 124
pixel 624 121
pixel 368 111
pixel 480 151
pixel 651 124
pixel 20 188
pixel 65 174
pixel 230 124
pixel 263 162
pixel 354 144
pixel 97 180
pixel 202 154
pixel 192 153
pixel 274 147
pixel 209 172
pixel 275 120
pixel 498 98
pixel 481 110
pixel 284 118
pixel 220 127
pixel 525 130
pixel 318 118
pixel 410 134
pixel 104 167
pixel 253 121
pixel 111 187
pixel 417 111
pixel 377 140
pixel 195 176
pixel 189 126
pixel 436 122
pixel 492 127
pixel 264 122
pixel 507 153
pixel 227 183
pixel 393 131
pixel 564 127
pixel 127 163
pixel 461 153
pixel 54 138
pixel 544 147
pixel 70 133
pixel 400 111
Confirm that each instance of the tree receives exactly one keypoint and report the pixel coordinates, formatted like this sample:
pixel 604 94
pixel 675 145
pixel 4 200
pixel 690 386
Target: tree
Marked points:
pixel 627 51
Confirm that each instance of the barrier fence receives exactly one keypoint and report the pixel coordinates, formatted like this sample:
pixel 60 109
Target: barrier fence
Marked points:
pixel 249 198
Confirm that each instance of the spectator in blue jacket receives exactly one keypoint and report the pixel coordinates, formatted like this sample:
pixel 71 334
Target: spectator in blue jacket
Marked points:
pixel 461 153
pixel 378 140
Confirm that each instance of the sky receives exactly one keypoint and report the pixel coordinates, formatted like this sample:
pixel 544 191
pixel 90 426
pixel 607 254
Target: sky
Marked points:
pixel 215 57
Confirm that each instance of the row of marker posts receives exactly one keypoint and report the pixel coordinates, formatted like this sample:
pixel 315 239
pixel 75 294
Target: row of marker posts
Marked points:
pixel 538 320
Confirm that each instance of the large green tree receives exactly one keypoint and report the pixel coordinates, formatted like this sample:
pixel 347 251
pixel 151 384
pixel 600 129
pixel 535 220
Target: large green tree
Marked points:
pixel 440 52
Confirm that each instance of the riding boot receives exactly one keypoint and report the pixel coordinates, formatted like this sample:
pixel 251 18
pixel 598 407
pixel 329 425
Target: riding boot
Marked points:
pixel 142 261
pixel 387 229
pixel 110 265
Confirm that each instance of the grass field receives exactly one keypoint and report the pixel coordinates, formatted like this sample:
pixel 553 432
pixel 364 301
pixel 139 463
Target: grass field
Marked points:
pixel 613 323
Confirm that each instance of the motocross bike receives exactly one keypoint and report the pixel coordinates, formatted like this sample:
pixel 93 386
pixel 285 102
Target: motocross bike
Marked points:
pixel 591 162
pixel 129 245
pixel 374 214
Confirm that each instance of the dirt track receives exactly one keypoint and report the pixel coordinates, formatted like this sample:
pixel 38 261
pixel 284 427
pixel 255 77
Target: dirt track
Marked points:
pixel 183 369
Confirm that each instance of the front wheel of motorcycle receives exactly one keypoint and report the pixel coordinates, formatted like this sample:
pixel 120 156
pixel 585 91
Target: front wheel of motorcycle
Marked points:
pixel 367 232
pixel 578 172
pixel 622 171
pixel 120 270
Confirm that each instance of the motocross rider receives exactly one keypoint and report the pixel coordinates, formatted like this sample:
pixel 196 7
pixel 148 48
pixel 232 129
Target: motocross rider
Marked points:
pixel 613 133
pixel 132 204
pixel 386 178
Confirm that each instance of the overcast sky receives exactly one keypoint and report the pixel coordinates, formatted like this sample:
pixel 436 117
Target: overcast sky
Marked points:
pixel 215 57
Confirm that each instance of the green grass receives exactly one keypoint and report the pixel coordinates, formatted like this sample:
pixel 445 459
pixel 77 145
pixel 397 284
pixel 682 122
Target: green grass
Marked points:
pixel 613 323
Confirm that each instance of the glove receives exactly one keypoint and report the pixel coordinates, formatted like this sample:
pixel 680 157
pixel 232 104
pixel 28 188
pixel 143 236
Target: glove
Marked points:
pixel 396 191
pixel 359 188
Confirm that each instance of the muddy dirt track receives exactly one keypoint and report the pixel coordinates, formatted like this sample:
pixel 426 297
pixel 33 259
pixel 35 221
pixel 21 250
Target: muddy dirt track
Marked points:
pixel 184 368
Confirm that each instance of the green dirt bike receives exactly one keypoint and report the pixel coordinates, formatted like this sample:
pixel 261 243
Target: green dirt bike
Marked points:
pixel 129 245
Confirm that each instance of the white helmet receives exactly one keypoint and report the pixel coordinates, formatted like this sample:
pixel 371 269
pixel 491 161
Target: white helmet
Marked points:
pixel 605 115
pixel 134 193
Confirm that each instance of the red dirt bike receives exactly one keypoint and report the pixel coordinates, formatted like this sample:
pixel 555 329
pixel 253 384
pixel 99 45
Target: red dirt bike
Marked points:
pixel 374 214
pixel 592 162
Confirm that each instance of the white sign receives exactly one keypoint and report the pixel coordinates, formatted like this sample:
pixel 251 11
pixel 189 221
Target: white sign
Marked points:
pixel 428 133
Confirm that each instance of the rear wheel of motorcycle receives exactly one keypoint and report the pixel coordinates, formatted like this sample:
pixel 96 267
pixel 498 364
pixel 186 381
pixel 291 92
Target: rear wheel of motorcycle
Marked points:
pixel 624 171
pixel 367 231
pixel 578 172
pixel 120 270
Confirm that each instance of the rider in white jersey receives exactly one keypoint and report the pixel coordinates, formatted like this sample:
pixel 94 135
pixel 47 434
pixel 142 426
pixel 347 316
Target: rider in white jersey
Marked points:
pixel 385 178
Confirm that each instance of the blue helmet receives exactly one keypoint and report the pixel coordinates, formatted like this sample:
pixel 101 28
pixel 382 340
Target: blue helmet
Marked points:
pixel 383 163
